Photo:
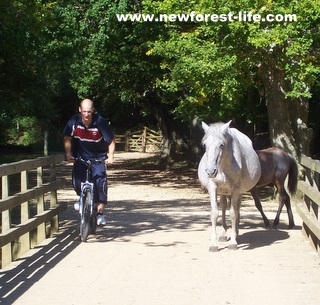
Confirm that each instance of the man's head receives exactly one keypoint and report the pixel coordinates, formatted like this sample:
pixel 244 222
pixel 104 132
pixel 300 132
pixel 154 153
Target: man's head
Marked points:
pixel 86 109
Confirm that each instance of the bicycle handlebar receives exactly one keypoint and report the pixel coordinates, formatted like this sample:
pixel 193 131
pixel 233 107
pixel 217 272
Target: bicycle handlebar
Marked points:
pixel 88 162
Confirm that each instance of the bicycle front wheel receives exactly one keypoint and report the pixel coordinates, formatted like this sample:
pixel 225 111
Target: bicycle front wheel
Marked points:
pixel 85 217
pixel 93 223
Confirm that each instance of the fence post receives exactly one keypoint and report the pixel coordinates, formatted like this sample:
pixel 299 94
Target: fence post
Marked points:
pixel 41 230
pixel 24 240
pixel 144 139
pixel 126 139
pixel 6 253
pixel 53 201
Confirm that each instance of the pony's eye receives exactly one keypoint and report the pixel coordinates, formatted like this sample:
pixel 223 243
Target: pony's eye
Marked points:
pixel 221 146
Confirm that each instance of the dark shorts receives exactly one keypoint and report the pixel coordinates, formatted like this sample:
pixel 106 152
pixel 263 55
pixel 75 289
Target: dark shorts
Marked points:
pixel 98 177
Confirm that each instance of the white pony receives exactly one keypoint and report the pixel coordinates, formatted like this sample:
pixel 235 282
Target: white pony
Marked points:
pixel 229 167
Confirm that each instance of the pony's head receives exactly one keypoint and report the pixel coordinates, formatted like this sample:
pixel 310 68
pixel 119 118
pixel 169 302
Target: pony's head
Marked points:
pixel 214 141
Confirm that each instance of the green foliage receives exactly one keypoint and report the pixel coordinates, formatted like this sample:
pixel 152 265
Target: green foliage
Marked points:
pixel 215 64
pixel 26 132
pixel 26 79
pixel 54 53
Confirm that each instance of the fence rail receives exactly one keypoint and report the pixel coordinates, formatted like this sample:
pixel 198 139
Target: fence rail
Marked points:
pixel 144 140
pixel 28 205
pixel 309 209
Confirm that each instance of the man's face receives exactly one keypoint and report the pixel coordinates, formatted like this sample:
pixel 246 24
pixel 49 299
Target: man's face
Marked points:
pixel 86 111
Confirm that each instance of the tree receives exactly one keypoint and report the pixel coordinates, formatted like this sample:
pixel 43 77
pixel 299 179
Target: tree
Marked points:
pixel 216 63
pixel 179 71
pixel 288 64
pixel 25 87
pixel 110 64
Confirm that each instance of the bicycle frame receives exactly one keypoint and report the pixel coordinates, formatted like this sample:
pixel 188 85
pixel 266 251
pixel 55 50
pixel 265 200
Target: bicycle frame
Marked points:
pixel 87 209
pixel 87 185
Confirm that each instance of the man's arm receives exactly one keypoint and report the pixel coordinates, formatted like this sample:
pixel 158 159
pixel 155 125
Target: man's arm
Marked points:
pixel 111 149
pixel 67 148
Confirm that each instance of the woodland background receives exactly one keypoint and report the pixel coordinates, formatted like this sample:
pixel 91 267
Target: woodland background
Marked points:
pixel 262 76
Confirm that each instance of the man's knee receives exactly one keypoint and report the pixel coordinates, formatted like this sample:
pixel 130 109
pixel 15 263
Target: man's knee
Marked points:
pixel 102 190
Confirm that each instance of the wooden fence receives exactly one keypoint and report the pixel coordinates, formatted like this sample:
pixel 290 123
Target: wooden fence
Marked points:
pixel 29 207
pixel 144 140
pixel 309 209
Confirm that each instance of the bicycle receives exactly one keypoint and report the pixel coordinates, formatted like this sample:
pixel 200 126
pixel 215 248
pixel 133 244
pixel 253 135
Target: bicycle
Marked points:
pixel 87 208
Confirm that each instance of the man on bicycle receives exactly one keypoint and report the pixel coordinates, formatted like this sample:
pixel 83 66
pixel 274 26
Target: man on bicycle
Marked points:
pixel 88 135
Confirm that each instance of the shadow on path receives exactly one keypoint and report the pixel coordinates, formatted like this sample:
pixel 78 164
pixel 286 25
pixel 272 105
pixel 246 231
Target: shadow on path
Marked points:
pixel 127 219
pixel 16 281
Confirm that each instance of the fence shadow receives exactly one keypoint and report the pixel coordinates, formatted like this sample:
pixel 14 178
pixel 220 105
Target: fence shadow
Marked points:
pixel 29 270
pixel 127 219
pixel 135 218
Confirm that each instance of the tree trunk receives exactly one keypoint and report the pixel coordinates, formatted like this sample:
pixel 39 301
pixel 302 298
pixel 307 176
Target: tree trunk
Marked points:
pixel 287 117
pixel 175 133
pixel 166 149
pixel 196 135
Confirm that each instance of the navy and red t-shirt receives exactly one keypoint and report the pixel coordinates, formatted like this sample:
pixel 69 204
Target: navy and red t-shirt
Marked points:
pixel 89 143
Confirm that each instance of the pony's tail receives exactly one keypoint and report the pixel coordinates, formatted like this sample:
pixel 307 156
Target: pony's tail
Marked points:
pixel 293 177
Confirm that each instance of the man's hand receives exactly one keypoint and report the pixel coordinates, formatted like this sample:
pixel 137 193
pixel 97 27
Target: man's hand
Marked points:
pixel 111 148
pixel 109 161
pixel 69 158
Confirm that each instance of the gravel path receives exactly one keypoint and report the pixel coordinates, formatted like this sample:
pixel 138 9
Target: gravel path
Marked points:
pixel 154 250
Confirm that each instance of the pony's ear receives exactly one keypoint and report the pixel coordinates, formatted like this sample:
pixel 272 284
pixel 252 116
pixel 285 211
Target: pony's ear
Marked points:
pixel 225 126
pixel 205 127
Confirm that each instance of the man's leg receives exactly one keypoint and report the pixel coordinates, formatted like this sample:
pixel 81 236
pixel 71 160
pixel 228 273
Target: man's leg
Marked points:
pixel 100 195
pixel 78 176
pixel 100 208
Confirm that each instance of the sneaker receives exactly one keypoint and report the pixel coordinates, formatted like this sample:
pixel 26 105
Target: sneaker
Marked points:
pixel 101 221
pixel 76 206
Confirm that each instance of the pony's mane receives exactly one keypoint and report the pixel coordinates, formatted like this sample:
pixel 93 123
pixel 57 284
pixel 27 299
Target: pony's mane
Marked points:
pixel 214 129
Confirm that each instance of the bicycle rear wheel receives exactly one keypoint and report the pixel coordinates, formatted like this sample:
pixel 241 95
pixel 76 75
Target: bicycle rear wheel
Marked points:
pixel 85 217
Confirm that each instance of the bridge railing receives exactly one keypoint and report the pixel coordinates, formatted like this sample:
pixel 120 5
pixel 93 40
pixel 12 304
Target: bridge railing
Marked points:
pixel 28 206
pixel 309 209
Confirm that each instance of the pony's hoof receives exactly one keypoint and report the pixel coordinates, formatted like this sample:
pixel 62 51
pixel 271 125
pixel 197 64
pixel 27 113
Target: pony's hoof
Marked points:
pixel 223 238
pixel 233 247
pixel 267 225
pixel 291 226
pixel 213 249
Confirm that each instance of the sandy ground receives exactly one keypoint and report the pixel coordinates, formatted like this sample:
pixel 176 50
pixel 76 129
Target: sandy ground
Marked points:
pixel 154 250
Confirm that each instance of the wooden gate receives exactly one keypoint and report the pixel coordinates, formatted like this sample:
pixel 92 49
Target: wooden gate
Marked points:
pixel 143 140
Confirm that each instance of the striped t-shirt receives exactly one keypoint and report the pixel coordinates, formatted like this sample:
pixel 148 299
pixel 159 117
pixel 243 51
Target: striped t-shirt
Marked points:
pixel 89 143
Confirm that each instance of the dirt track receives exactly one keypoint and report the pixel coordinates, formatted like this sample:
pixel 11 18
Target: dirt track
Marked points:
pixel 154 250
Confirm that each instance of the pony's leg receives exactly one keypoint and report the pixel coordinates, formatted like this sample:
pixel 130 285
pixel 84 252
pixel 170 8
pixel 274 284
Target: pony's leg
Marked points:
pixel 223 203
pixel 289 211
pixel 255 194
pixel 282 198
pixel 235 219
pixel 212 189
pixel 286 199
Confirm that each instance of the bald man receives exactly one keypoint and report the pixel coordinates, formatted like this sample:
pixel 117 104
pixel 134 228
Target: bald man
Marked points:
pixel 88 135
